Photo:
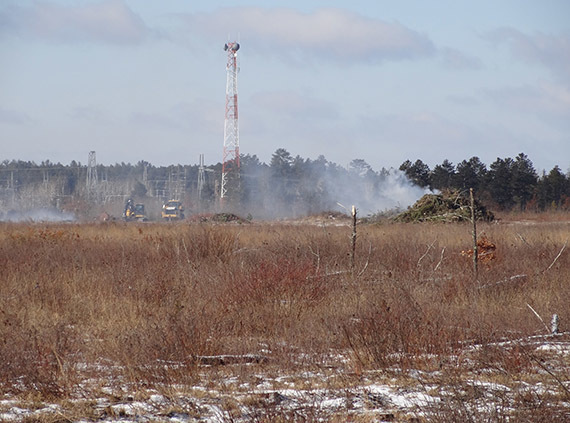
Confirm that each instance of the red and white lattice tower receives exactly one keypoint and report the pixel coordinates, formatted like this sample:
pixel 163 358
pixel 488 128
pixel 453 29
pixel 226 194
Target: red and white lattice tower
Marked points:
pixel 230 162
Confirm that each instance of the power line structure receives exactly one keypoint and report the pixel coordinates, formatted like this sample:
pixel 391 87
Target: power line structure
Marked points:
pixel 91 180
pixel 201 179
pixel 145 176
pixel 230 160
pixel 177 183
pixel 7 192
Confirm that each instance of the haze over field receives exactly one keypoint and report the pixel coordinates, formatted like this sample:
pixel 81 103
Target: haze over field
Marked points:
pixel 377 80
pixel 36 215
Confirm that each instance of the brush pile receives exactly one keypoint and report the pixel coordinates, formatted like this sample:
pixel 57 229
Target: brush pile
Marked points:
pixel 218 218
pixel 448 206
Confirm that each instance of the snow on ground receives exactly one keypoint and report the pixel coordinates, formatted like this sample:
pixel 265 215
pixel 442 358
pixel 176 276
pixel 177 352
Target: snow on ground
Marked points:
pixel 258 392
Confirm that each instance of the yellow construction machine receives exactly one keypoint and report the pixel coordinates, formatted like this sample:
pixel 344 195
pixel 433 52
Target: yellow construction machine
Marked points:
pixel 134 211
pixel 173 210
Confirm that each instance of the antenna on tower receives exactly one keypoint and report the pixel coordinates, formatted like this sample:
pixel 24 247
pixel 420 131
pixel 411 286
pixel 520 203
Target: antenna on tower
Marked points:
pixel 230 160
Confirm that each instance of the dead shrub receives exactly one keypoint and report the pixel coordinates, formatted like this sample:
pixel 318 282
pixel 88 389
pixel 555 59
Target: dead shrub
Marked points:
pixel 271 295
pixel 147 299
pixel 208 242
pixel 399 331
pixel 36 359
pixel 510 360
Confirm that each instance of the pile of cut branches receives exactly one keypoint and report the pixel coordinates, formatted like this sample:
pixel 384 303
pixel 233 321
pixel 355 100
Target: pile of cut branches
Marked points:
pixel 448 206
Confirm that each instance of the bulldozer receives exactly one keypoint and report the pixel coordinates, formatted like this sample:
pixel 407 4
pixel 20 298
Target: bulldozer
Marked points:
pixel 173 210
pixel 134 211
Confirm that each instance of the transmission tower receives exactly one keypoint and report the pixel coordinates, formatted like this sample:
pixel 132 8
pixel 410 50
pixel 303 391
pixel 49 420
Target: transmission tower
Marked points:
pixel 201 179
pixel 91 183
pixel 230 162
pixel 145 176
pixel 177 183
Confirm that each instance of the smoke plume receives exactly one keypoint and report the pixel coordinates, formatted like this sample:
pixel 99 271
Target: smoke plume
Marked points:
pixel 37 215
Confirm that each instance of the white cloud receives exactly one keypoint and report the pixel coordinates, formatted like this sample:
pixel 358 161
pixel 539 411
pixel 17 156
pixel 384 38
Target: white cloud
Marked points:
pixel 153 120
pixel 295 106
pixel 552 51
pixel 547 100
pixel 89 113
pixel 107 21
pixel 13 117
pixel 457 60
pixel 334 34
pixel 199 116
pixel 463 100
pixel 431 137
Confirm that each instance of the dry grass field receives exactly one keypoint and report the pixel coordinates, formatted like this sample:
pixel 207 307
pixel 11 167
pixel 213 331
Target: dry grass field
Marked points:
pixel 268 322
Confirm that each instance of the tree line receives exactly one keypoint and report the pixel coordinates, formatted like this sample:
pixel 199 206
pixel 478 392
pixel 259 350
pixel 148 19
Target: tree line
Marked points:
pixel 507 184
pixel 293 185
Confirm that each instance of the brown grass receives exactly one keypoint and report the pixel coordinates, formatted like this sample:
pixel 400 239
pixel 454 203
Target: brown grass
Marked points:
pixel 138 303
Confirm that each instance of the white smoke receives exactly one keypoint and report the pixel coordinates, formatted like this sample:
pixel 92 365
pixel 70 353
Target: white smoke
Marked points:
pixel 392 192
pixel 397 192
pixel 37 215
pixel 321 187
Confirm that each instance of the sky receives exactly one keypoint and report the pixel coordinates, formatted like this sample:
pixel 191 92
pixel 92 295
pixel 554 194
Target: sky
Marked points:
pixel 383 81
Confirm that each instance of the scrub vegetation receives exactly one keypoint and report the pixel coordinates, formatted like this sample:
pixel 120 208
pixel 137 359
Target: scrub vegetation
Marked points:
pixel 125 310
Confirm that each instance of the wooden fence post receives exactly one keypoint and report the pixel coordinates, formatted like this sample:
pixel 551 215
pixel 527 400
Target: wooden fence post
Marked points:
pixel 475 249
pixel 554 324
pixel 353 251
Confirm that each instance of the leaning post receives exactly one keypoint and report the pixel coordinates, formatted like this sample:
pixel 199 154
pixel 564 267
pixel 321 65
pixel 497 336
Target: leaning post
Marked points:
pixel 473 220
pixel 353 250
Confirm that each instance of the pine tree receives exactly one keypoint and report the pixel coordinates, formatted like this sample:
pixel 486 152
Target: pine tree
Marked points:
pixel 470 174
pixel 418 172
pixel 500 182
pixel 524 180
pixel 443 175
pixel 553 189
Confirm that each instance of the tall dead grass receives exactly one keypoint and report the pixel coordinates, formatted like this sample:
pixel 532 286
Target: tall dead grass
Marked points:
pixel 140 302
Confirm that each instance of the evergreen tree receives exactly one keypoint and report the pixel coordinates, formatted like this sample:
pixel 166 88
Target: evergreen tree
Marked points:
pixel 282 192
pixel 253 180
pixel 500 182
pixel 470 174
pixel 553 189
pixel 443 175
pixel 418 172
pixel 524 180
pixel 318 197
pixel 359 167
pixel 281 162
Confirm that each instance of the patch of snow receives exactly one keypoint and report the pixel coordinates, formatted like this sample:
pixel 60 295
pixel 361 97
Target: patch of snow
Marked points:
pixel 15 414
pixel 402 399
pixel 556 348
pixel 489 385
pixel 333 403
pixel 156 398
